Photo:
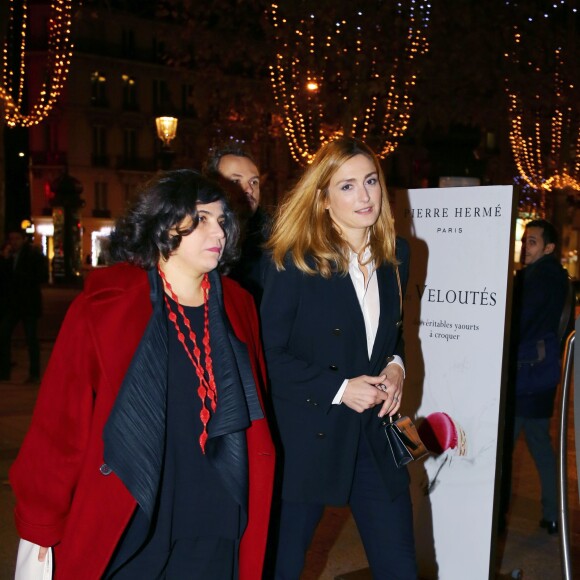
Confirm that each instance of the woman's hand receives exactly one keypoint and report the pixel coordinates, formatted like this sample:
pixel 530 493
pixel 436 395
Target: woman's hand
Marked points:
pixel 393 387
pixel 42 553
pixel 362 393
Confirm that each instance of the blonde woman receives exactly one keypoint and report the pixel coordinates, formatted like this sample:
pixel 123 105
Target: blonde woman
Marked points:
pixel 331 316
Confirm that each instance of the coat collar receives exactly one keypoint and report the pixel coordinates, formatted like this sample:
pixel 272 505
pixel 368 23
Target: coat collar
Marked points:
pixel 134 433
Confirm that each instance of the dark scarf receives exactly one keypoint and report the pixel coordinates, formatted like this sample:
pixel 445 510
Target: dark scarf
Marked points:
pixel 134 435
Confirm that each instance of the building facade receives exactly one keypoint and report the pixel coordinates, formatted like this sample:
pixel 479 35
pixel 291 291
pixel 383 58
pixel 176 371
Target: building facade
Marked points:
pixel 102 131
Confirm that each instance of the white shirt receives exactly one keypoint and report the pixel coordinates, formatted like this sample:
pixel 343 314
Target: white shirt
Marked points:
pixel 370 305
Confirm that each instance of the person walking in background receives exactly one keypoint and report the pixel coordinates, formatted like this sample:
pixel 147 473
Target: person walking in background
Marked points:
pixel 23 269
pixel 331 321
pixel 540 291
pixel 148 455
pixel 235 165
pixel 5 251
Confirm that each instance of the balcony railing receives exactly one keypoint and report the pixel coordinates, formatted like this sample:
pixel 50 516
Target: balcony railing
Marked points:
pixel 101 213
pixel 100 160
pixel 103 48
pixel 48 158
pixel 135 163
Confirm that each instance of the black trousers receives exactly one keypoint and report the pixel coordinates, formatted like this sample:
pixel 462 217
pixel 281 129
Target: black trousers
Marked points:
pixel 537 432
pixel 192 559
pixel 8 321
pixel 385 526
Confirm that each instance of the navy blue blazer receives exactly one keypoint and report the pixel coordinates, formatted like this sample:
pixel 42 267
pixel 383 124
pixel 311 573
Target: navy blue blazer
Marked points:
pixel 314 338
pixel 539 295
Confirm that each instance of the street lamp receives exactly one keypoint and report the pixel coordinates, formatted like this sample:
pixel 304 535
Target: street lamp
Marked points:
pixel 166 131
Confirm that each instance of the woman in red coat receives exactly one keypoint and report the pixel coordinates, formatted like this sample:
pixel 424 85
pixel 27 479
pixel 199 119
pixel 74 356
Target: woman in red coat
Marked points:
pixel 148 455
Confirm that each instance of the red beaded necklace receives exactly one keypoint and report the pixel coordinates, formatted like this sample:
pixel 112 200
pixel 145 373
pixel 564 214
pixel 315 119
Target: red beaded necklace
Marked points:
pixel 207 387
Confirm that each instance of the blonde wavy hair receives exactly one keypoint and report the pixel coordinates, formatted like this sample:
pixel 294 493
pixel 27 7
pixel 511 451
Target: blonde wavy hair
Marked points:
pixel 304 230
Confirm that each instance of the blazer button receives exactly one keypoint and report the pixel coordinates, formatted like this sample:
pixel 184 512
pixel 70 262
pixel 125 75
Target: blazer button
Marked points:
pixel 320 435
pixel 333 367
pixel 336 331
pixel 105 469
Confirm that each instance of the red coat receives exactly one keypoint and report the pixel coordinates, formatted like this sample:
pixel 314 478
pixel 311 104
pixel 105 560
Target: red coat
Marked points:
pixel 63 500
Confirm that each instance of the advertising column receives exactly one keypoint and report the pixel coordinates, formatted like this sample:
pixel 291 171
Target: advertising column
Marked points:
pixel 456 315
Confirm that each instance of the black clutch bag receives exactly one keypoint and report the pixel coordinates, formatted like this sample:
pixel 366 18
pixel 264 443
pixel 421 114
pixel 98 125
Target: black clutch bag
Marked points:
pixel 403 440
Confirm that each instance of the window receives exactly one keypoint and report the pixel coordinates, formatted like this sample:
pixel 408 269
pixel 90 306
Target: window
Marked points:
pixel 130 144
pixel 128 42
pixel 101 196
pixel 160 95
pixel 98 89
pixel 129 93
pixel 50 137
pixel 99 145
pixel 187 106
pixel 188 143
pixel 130 193
pixel 159 50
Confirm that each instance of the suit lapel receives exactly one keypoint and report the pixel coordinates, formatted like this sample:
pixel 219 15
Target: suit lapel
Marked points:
pixel 345 294
pixel 390 315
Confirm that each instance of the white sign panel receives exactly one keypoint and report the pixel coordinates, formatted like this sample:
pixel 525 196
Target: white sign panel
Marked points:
pixel 455 316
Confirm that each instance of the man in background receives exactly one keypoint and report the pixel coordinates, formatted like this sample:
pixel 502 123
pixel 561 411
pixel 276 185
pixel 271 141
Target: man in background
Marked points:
pixel 235 165
pixel 540 294
pixel 23 268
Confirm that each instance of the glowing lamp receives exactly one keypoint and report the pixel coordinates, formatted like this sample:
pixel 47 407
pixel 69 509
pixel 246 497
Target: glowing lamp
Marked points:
pixel 166 129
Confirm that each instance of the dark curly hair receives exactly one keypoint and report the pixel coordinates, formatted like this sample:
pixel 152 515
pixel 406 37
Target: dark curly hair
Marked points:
pixel 142 236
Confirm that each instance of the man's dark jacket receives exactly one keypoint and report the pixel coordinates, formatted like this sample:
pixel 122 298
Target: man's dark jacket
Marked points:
pixel 250 270
pixel 539 296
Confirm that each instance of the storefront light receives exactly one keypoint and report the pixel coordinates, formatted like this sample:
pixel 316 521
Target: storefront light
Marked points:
pixel 45 229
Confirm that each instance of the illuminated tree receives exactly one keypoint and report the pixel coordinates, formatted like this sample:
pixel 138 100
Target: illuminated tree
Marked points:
pixel 350 69
pixel 15 49
pixel 543 85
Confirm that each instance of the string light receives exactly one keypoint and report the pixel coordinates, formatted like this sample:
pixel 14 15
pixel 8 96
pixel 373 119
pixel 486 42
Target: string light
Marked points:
pixel 532 201
pixel 307 71
pixel 58 61
pixel 544 136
